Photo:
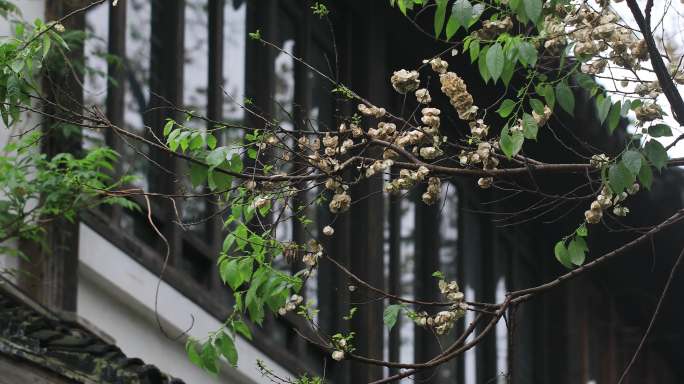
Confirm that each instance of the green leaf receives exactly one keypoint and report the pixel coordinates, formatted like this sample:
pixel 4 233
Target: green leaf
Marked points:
pixel 576 250
pixel 236 163
pixel 402 6
pixel 506 108
pixel 530 127
pixel 533 9
pixel 656 154
pixel 565 98
pixel 474 50
pixel 582 230
pixel 209 357
pixel 245 267
pixel 211 141
pixel 390 315
pixel 440 16
pixel 603 105
pixel 230 274
pixel 508 70
pixel 549 95
pixel 614 116
pixel 226 345
pixel 452 27
pixel 482 64
pixel 198 174
pixel 478 9
pixel 562 254
pixel 193 354
pixel 439 275
pixel 168 126
pixel 255 305
pixel 585 81
pixel 217 156
pixel 527 54
pixel 646 175
pixel 619 177
pixel 660 130
pixel 240 327
pixel 511 144
pixel 495 61
pixel 241 234
pixel 537 106
pixel 632 161
pixel 463 11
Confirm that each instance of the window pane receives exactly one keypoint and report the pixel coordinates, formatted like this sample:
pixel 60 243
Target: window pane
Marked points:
pixel 95 79
pixel 285 73
pixel 195 79
pixel 234 46
pixel 137 92
pixel 407 250
pixel 196 59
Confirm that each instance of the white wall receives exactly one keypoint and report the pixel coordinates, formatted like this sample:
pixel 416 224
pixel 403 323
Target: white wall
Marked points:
pixel 116 294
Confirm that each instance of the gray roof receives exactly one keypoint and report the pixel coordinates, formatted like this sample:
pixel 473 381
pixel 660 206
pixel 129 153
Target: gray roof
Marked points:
pixel 37 336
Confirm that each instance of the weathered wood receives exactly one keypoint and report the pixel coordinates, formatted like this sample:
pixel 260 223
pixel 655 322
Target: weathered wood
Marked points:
pixel 50 273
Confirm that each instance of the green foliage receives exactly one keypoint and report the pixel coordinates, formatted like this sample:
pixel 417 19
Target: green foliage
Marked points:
pixel 495 61
pixel 35 188
pixel 565 98
pixel 506 108
pixel 571 251
pixel 391 314
pixel 660 130
pixel 320 10
pixel 656 154
pixel 511 143
pixel 530 127
pixel 620 177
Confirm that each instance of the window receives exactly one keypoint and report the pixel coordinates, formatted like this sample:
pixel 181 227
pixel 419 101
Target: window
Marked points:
pixel 216 73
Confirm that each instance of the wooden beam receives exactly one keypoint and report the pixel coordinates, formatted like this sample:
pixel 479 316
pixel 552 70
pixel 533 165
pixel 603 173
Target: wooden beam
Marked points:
pixel 51 272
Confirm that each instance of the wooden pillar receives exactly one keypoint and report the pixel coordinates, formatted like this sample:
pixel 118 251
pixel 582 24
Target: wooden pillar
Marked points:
pixel 166 91
pixel 427 233
pixel 370 78
pixel 51 273
pixel 116 89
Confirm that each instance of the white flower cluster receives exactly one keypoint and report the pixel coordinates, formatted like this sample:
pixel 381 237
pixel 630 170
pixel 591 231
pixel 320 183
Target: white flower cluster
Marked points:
pixel 338 355
pixel 423 96
pixel 544 117
pixel 313 253
pixel 491 29
pixel 455 88
pixel 407 179
pixel 379 166
pixel 434 188
pixel 371 111
pixel 437 64
pixel 607 199
pixel 554 31
pixel 648 112
pixel 404 81
pixel 444 321
pixel 384 131
pixel 326 160
pixel 650 89
pixel 596 32
pixel 340 203
pixel 599 161
pixel 481 156
pixel 290 305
